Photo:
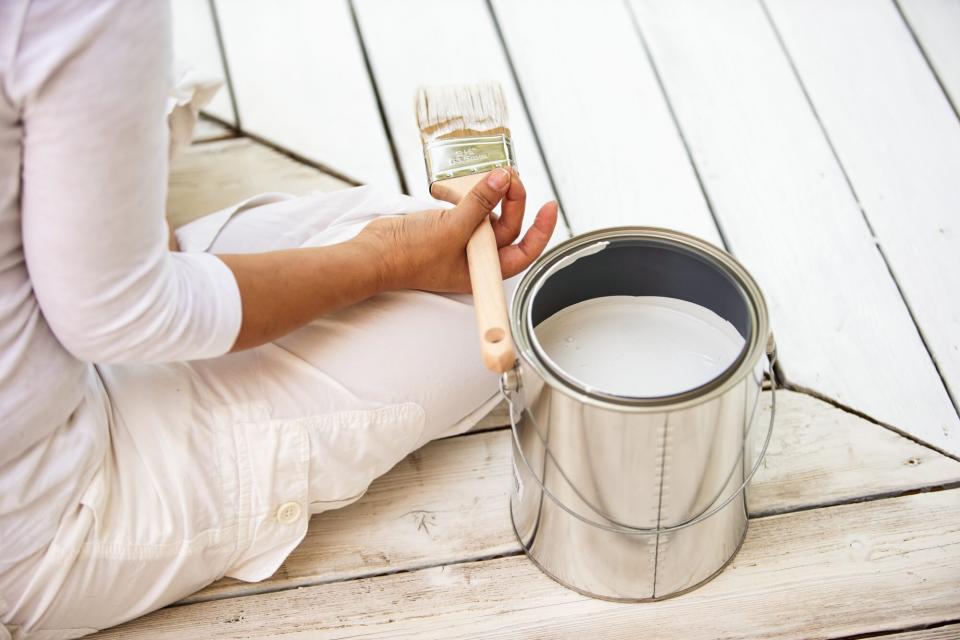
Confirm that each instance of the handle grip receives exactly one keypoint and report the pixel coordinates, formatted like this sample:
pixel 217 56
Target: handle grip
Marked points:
pixel 486 280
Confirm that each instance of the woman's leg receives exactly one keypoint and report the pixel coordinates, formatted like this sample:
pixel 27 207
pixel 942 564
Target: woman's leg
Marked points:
pixel 216 465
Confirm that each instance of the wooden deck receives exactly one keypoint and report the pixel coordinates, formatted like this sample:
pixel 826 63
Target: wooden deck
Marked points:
pixel 817 140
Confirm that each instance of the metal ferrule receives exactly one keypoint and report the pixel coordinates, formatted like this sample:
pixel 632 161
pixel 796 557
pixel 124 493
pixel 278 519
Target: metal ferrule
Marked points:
pixel 457 157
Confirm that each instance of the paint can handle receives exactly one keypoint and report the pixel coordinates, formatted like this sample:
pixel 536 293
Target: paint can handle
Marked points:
pixel 510 383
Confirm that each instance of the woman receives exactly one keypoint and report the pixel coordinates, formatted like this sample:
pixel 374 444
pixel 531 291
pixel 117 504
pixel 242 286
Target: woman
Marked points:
pixel 168 418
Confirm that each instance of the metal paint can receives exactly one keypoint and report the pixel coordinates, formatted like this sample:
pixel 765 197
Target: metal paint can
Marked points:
pixel 635 498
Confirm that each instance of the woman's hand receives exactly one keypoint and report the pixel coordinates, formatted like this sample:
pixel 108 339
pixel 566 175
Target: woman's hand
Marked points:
pixel 427 250
pixel 283 290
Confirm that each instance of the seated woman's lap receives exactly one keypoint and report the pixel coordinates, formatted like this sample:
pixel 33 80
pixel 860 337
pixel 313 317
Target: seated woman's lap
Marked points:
pixel 216 465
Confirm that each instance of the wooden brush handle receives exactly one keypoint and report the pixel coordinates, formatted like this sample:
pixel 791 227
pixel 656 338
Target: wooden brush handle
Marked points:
pixel 496 344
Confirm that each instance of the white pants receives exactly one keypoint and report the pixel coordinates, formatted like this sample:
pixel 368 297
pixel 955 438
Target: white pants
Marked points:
pixel 214 467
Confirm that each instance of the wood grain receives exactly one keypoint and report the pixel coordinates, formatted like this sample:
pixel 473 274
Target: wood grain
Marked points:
pixel 300 82
pixel 949 632
pixel 214 175
pixel 936 24
pixel 195 42
pixel 899 141
pixel 448 502
pixel 828 572
pixel 607 133
pixel 789 215
pixel 429 42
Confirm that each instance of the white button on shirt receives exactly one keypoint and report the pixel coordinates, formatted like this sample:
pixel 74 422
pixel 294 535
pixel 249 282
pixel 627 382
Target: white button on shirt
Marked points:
pixel 288 513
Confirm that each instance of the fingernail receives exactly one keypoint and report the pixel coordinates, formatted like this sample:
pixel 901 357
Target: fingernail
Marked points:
pixel 498 179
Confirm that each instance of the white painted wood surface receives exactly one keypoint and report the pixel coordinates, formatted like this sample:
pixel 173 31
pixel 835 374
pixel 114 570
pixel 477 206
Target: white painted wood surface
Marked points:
pixel 210 176
pixel 899 141
pixel 842 327
pixel 425 42
pixel 300 82
pixel 449 502
pixel 830 572
pixel 607 133
pixel 195 41
pixel 936 24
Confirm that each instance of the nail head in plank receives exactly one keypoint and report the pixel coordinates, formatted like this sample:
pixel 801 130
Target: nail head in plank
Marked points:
pixel 449 501
pixel 607 132
pixel 830 572
pixel 301 83
pixel 783 202
pixel 195 42
pixel 899 141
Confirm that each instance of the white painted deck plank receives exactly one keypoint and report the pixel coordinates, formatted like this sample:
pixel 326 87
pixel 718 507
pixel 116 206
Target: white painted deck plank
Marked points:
pixel 426 42
pixel 208 177
pixel 195 41
pixel 830 572
pixel 449 502
pixel 301 82
pixel 612 147
pixel 785 207
pixel 899 141
pixel 937 26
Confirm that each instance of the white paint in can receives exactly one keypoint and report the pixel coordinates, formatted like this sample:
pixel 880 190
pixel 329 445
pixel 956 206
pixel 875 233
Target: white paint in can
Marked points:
pixel 639 346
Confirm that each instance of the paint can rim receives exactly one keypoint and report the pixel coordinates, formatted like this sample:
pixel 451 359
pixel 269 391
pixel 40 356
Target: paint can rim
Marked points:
pixel 545 267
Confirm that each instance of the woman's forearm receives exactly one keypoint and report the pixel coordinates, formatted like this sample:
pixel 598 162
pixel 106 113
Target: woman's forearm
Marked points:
pixel 284 290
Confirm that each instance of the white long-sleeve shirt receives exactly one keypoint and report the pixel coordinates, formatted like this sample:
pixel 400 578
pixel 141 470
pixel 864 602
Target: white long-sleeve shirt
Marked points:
pixel 85 274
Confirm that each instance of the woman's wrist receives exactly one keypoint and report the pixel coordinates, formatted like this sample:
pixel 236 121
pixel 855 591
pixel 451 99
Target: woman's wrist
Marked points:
pixel 378 243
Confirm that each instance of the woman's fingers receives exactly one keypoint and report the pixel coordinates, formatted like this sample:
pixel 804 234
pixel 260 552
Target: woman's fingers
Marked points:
pixel 480 200
pixel 507 226
pixel 515 258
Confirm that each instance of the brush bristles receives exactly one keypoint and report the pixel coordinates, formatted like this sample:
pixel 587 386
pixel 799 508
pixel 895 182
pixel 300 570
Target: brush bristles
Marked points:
pixel 455 111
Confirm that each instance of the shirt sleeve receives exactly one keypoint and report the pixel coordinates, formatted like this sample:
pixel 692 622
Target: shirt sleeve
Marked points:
pixel 91 80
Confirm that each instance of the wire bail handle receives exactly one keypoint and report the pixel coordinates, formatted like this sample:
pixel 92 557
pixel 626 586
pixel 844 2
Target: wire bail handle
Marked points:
pixel 510 383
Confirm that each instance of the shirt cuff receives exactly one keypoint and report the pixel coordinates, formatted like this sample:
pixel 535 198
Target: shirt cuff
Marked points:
pixel 226 307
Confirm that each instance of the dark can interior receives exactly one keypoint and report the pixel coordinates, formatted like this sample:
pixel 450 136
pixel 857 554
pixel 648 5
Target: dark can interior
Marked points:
pixel 646 267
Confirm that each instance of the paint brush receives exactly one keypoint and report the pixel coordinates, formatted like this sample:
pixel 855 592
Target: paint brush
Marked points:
pixel 465 136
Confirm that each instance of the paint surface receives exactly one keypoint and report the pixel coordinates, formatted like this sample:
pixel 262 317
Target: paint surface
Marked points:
pixel 639 346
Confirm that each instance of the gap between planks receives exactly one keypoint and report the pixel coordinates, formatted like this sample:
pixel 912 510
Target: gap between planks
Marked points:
pixel 813 393
pixel 932 25
pixel 288 93
pixel 946 630
pixel 292 155
pixel 210 129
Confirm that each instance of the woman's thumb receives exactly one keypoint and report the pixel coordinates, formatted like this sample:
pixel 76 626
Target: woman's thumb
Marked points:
pixel 484 196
